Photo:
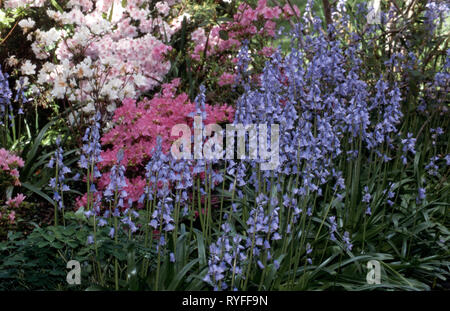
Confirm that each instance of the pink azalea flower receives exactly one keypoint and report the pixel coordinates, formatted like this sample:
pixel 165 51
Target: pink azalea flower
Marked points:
pixel 226 78
pixel 12 217
pixel 15 202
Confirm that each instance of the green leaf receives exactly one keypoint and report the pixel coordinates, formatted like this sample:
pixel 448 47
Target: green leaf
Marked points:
pixel 178 278
pixel 96 288
pixel 200 247
pixel 57 6
pixel 223 34
pixel 38 192
pixel 132 271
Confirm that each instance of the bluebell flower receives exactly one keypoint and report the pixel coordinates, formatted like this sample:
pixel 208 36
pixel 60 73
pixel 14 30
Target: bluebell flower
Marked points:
pixel 333 227
pixel 89 213
pixel 5 97
pixel 91 149
pixel 421 195
pixel 367 197
pixel 90 239
pixel 346 239
pixel 432 168
pixel 58 183
pixel 117 183
pixel 101 222
pixel 260 264
pixel 227 255
pixel 111 233
pixel 276 264
pixel 408 145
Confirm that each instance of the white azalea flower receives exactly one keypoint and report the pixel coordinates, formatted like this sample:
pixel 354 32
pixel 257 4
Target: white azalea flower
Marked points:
pixel 26 24
pixel 28 68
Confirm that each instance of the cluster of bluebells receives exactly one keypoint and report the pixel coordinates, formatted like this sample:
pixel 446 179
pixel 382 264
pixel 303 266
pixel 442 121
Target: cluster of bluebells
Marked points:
pixel 20 95
pixel 292 203
pixel 408 146
pixel 6 108
pixel 11 106
pixel 389 194
pixel 160 175
pixel 336 108
pixel 164 180
pixel 89 159
pixel 117 183
pixel 333 227
pixel 114 196
pixel 367 199
pixel 58 183
pixel 435 11
pixel 421 195
pixel 333 231
pixel 91 149
pixel 346 238
pixel 319 97
pixel 442 78
pixel 226 260
pixel 169 180
pixel 115 193
pixel 203 166
pixel 432 167
pixel 263 228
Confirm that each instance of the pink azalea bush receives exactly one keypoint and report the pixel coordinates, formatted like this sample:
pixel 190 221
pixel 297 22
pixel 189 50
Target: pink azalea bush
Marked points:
pixel 222 42
pixel 9 176
pixel 137 124
pixel 9 164
pixel 247 23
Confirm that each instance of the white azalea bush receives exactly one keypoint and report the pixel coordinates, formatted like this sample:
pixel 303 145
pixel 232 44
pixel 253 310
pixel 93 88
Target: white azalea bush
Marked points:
pixel 95 53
